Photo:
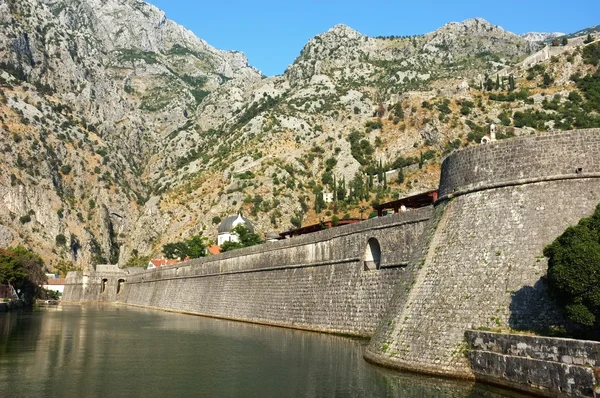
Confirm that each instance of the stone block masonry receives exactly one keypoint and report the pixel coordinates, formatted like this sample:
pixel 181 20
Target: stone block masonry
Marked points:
pixel 473 261
pixel 546 366
pixel 501 205
pixel 316 282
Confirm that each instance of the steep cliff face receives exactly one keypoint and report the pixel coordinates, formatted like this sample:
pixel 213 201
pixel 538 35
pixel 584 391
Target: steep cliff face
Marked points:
pixel 95 87
pixel 121 130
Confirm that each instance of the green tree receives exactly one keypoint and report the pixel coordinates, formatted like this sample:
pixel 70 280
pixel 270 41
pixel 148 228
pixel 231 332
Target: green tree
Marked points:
pixel 400 176
pixel 63 267
pixel 564 41
pixel 319 202
pixel 574 271
pixel 547 80
pixel 341 190
pixel 296 220
pixel 245 239
pixel 588 39
pixel 135 260
pixel 22 269
pixel 511 83
pixel 193 247
pixel 555 42
pixel 10 270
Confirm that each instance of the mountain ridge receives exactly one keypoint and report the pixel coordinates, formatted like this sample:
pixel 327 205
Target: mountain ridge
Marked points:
pixel 145 134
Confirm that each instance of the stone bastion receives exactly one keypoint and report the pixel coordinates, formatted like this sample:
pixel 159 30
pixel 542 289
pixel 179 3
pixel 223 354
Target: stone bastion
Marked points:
pixel 414 282
pixel 499 205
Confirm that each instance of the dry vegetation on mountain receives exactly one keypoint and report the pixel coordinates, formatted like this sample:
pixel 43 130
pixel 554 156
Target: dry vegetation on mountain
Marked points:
pixel 124 138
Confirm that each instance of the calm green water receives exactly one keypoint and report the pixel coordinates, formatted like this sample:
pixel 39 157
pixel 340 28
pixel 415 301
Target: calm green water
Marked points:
pixel 107 351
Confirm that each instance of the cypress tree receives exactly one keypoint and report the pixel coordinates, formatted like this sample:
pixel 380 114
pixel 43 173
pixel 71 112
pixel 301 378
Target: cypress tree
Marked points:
pixel 385 181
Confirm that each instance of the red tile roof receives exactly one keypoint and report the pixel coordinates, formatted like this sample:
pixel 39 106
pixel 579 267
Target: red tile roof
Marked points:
pixel 159 262
pixel 214 250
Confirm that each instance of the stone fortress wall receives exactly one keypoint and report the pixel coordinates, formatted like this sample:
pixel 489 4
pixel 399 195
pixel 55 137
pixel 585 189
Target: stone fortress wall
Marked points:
pixel 316 282
pixel 474 260
pixel 499 206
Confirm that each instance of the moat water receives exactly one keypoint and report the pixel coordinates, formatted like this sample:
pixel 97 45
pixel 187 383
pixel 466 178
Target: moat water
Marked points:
pixel 110 351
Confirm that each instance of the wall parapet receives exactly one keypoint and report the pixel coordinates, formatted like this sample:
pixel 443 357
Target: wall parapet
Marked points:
pixel 518 161
pixel 322 251
pixel 338 280
pixel 546 366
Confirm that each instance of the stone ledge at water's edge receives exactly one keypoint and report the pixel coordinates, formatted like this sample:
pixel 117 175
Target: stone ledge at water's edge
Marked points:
pixel 474 260
pixel 551 367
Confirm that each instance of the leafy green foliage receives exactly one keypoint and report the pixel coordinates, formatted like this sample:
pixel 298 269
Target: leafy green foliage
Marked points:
pixel 132 55
pixel 588 39
pixel 397 110
pixel 22 269
pixel 360 148
pixel 193 247
pixel 63 267
pixel 574 271
pixel 246 239
pixel 590 85
pixel 371 125
pixel 135 260
pixel 61 240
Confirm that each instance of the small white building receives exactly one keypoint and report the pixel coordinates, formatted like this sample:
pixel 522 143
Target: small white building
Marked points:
pixel 56 284
pixel 226 227
pixel 328 197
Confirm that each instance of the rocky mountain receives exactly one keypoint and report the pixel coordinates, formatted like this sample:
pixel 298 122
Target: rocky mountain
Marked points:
pixel 540 37
pixel 121 131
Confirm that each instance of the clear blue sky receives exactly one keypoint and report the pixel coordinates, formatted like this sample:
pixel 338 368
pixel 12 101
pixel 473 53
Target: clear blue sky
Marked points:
pixel 272 33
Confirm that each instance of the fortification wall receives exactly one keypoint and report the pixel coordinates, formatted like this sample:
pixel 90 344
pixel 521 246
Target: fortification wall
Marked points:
pixel 102 284
pixel 315 282
pixel 520 161
pixel 501 205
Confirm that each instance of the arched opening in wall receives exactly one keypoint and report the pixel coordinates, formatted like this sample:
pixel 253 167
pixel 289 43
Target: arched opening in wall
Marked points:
pixel 120 284
pixel 104 283
pixel 372 257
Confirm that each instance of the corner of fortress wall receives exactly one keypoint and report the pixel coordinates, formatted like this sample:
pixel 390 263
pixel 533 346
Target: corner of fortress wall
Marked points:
pixel 482 263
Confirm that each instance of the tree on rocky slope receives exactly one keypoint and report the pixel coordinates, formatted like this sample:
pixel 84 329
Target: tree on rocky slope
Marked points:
pixel 574 271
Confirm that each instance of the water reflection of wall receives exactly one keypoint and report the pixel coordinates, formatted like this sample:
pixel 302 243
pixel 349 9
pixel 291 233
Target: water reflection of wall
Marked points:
pixel 119 351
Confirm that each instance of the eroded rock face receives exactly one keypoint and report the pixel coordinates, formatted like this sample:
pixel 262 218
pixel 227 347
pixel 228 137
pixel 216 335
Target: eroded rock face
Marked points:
pixel 122 131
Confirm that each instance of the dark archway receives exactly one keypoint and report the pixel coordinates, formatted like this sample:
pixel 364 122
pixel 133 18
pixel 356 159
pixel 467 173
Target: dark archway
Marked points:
pixel 120 284
pixel 103 287
pixel 372 257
